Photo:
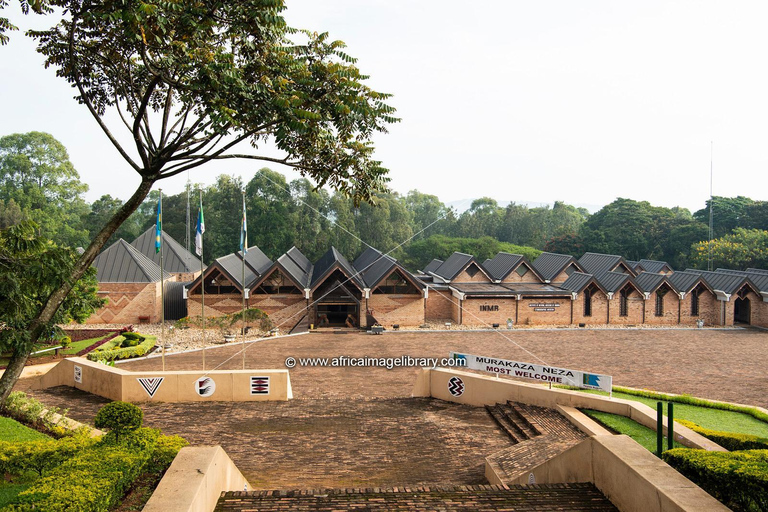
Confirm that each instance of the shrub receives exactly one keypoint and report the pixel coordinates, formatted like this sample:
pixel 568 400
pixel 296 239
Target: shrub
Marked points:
pixel 29 410
pixel 40 456
pixel 739 480
pixel 120 418
pixel 134 336
pixel 65 342
pixel 116 352
pixel 731 441
pixel 91 481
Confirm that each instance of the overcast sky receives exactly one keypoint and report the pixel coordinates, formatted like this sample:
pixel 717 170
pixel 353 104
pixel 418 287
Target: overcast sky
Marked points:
pixel 531 101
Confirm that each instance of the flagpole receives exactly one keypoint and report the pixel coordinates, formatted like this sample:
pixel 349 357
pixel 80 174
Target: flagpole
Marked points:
pixel 162 274
pixel 202 276
pixel 243 252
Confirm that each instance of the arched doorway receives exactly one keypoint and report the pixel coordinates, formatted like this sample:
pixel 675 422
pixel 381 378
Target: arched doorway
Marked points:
pixel 742 309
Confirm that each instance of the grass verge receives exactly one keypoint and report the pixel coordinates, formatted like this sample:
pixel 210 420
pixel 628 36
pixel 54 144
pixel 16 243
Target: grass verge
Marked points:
pixel 711 415
pixel 13 431
pixel 623 425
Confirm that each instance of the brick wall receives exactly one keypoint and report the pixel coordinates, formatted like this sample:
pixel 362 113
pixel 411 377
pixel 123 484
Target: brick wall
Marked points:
pixel 537 311
pixel 528 277
pixel 473 314
pixel 463 277
pixel 599 309
pixel 215 304
pixel 284 310
pixel 709 309
pixel 127 302
pixel 635 306
pixel 440 306
pixel 405 310
pixel 670 313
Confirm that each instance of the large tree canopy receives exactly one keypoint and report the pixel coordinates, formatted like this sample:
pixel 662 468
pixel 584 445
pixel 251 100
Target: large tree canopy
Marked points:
pixel 36 175
pixel 194 82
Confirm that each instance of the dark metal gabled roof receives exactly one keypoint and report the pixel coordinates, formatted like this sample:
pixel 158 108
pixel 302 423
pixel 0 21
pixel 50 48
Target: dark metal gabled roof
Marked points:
pixel 175 257
pixel 549 264
pixel 758 279
pixel 596 264
pixel 455 263
pixel 331 260
pixel 720 281
pixel 635 265
pixel 232 265
pixel 432 266
pixel 578 282
pixel 256 259
pixel 300 260
pixel 684 281
pixel 367 258
pixel 123 263
pixel 614 281
pixel 757 271
pixel 655 266
pixel 502 265
pixel 649 282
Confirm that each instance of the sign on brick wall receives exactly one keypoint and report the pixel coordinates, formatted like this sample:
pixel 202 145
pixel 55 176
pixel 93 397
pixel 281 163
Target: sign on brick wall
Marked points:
pixel 541 373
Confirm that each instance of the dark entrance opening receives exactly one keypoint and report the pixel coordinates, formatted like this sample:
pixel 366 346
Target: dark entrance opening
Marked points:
pixel 337 315
pixel 742 311
pixel 338 303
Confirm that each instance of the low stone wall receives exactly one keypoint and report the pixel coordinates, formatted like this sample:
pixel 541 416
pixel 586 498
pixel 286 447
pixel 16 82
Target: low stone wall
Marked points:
pixel 195 480
pixel 481 390
pixel 630 476
pixel 180 386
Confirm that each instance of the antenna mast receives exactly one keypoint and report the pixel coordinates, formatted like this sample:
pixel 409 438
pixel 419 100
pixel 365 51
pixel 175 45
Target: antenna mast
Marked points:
pixel 188 238
pixel 711 217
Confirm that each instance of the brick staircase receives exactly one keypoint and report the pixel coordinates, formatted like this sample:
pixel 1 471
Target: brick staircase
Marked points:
pixel 481 498
pixel 538 435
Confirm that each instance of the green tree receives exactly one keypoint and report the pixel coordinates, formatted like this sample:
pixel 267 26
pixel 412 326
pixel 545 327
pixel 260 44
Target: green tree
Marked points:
pixel 484 218
pixel 742 249
pixel 35 172
pixel 430 216
pixel 191 81
pixel 728 213
pixel 32 267
pixel 310 218
pixel 270 212
pixel 37 6
pixel 10 213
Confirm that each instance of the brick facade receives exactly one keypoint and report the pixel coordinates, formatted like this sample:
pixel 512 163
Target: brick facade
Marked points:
pixel 439 306
pixel 671 310
pixel 284 310
pixel 215 304
pixel 404 310
pixel 544 311
pixel 128 303
pixel 635 306
pixel 709 309
pixel 488 311
pixel 599 314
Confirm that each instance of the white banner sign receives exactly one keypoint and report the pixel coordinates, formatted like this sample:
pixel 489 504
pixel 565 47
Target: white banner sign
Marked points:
pixel 548 374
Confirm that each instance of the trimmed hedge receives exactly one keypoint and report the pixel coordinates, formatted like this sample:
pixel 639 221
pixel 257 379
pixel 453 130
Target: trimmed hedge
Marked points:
pixel 739 480
pixel 39 456
pixel 731 441
pixel 123 353
pixel 94 479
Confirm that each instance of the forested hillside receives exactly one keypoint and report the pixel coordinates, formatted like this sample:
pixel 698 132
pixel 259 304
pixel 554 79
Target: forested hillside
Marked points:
pixel 39 182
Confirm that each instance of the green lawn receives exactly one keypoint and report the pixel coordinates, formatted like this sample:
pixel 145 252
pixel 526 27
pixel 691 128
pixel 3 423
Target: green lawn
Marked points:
pixel 73 349
pixel 623 425
pixel 13 431
pixel 9 491
pixel 714 419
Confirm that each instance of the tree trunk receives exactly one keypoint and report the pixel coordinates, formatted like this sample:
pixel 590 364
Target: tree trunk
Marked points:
pixel 51 306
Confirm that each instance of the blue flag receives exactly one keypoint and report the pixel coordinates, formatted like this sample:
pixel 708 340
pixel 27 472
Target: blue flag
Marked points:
pixel 244 232
pixel 159 226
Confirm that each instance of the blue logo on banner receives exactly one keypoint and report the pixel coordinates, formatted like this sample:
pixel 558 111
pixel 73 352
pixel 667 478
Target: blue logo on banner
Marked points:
pixel 591 380
pixel 460 357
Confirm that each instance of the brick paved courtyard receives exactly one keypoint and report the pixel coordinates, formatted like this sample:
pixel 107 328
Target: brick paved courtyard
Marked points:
pixel 717 364
pixel 358 427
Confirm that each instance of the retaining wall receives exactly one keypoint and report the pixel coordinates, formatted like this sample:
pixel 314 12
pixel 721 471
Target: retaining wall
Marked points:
pixel 180 386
